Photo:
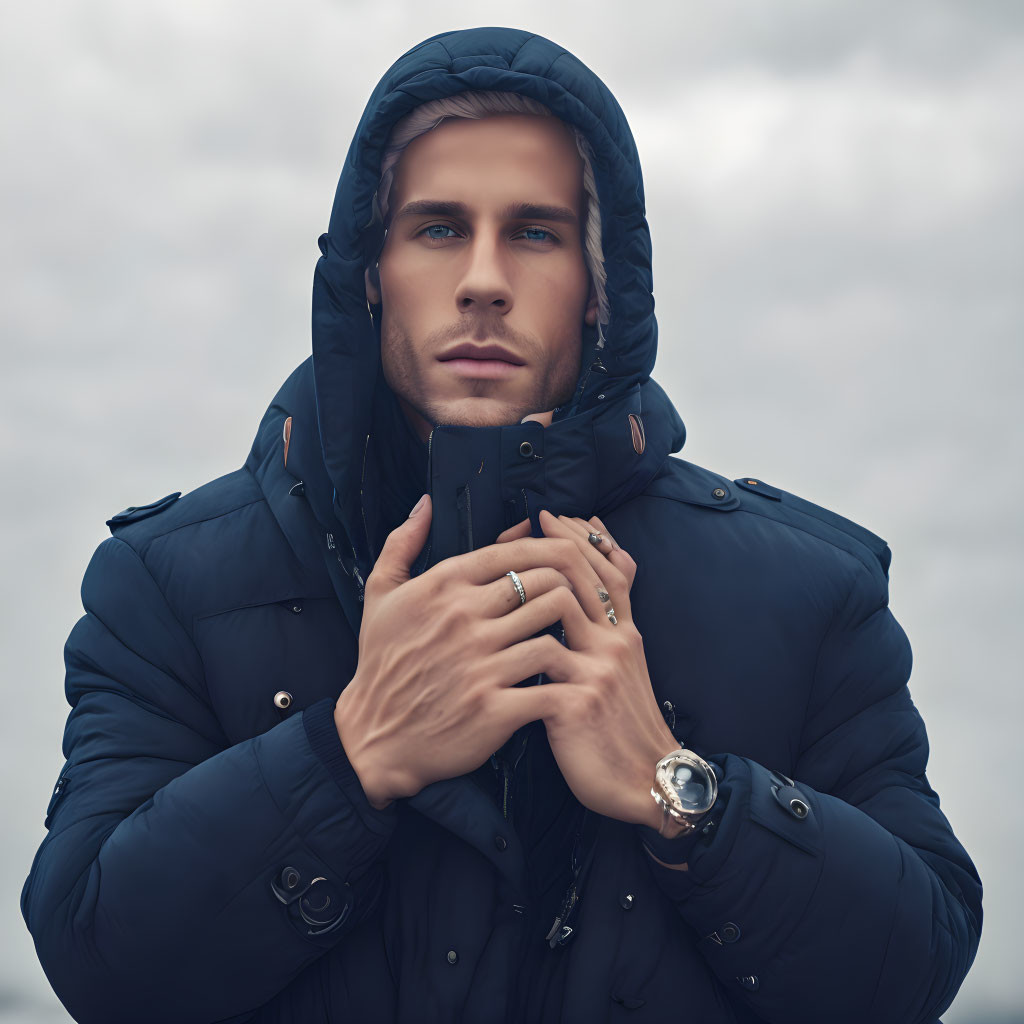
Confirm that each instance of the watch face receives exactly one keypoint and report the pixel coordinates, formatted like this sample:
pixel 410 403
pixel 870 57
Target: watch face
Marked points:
pixel 689 785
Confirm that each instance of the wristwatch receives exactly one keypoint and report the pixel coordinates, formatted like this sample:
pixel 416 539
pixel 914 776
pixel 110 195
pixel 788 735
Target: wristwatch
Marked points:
pixel 685 788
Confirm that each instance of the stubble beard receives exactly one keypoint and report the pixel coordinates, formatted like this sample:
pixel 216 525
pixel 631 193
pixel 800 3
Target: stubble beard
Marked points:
pixel 399 362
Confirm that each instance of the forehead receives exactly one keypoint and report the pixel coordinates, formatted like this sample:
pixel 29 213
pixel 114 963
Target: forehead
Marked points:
pixel 524 157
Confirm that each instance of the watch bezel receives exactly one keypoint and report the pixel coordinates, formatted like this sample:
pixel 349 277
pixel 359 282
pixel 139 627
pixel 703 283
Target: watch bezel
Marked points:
pixel 666 795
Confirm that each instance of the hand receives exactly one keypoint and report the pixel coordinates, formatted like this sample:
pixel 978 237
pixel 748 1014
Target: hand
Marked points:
pixel 605 728
pixel 433 695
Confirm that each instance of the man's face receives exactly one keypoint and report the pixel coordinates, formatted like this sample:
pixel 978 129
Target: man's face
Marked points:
pixel 483 303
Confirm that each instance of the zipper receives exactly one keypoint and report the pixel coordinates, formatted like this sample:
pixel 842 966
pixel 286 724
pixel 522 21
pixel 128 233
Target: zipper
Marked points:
pixel 561 931
pixel 507 771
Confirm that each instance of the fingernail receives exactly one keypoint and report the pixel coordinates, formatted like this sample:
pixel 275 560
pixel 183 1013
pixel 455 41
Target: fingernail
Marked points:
pixel 417 506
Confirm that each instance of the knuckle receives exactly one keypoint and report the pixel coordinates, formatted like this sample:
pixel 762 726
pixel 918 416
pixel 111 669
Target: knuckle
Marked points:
pixel 457 616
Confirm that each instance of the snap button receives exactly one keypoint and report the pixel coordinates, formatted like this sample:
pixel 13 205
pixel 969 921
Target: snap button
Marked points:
pixel 526 449
pixel 313 906
pixel 500 842
pixel 729 932
pixel 627 901
pixel 791 800
pixel 719 493
pixel 323 906
pixel 296 609
pixel 453 957
pixel 283 699
pixel 750 982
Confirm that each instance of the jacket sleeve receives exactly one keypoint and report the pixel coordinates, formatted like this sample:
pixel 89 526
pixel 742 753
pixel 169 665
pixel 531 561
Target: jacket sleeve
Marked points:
pixel 181 879
pixel 855 902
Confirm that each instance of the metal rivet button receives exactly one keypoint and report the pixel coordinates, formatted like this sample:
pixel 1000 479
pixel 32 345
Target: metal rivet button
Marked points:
pixel 500 842
pixel 453 957
pixel 750 982
pixel 600 398
pixel 627 901
pixel 283 699
pixel 753 483
pixel 798 808
pixel 729 932
pixel 526 449
pixel 290 877
pixel 718 493
pixel 297 609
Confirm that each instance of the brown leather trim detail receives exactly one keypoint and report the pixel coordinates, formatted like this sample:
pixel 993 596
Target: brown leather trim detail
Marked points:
pixel 636 427
pixel 287 438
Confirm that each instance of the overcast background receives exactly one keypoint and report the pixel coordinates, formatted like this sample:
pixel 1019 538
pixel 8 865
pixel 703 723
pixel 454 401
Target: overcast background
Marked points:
pixel 834 191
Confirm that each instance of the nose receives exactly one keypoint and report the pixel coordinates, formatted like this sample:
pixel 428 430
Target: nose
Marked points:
pixel 485 286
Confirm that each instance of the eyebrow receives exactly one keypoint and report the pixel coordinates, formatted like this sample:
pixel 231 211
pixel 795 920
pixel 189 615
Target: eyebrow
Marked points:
pixel 514 211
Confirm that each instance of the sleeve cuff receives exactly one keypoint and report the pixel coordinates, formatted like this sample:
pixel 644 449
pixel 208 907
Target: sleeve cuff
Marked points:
pixel 322 733
pixel 669 851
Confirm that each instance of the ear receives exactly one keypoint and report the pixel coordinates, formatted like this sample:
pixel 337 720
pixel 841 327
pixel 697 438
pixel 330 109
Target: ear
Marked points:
pixel 590 316
pixel 371 279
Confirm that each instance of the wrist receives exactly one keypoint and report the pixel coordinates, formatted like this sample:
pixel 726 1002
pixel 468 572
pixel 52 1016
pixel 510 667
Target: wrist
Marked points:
pixel 369 779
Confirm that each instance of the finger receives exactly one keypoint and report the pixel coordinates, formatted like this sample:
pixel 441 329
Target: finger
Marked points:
pixel 516 706
pixel 492 562
pixel 595 600
pixel 614 552
pixel 619 557
pixel 501 596
pixel 400 549
pixel 595 535
pixel 595 522
pixel 557 605
pixel 514 532
pixel 527 658
pixel 613 587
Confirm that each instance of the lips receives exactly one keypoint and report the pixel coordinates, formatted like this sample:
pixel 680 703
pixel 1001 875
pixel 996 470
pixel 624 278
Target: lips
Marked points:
pixel 467 350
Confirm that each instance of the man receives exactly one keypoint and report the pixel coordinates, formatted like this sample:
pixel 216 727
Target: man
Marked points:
pixel 592 733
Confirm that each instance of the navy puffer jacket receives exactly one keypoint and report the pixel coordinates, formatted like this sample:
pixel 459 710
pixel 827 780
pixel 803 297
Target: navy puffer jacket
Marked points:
pixel 210 854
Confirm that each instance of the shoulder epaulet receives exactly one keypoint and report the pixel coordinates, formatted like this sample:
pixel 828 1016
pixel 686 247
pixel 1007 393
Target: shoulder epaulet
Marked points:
pixel 683 481
pixel 134 513
pixel 875 544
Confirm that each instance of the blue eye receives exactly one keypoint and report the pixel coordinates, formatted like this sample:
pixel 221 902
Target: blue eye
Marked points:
pixel 543 231
pixel 443 227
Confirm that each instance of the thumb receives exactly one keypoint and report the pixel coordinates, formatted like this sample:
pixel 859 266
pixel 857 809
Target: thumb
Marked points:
pixel 404 543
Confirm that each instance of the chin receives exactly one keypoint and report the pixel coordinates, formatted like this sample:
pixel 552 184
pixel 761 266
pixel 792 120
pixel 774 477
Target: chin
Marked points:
pixel 478 413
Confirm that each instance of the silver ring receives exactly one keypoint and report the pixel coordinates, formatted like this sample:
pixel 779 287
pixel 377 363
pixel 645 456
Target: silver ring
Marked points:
pixel 595 539
pixel 610 612
pixel 518 584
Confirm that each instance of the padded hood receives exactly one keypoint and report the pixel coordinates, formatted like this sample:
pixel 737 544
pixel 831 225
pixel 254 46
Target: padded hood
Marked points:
pixel 592 457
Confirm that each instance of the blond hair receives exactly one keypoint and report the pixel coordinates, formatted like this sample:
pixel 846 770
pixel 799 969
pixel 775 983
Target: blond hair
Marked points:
pixel 485 104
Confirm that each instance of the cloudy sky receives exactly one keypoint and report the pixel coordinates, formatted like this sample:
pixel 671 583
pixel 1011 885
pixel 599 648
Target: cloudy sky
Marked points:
pixel 835 197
